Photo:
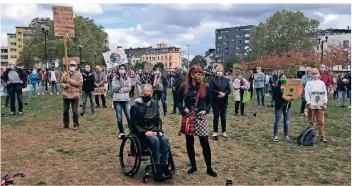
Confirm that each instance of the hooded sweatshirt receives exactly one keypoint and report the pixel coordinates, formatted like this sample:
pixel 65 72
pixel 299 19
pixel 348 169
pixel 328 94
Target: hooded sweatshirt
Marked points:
pixel 315 86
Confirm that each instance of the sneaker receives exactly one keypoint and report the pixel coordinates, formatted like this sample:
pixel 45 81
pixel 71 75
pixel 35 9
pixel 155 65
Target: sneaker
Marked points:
pixel 93 114
pixel 224 135
pixel 349 106
pixel 165 113
pixel 322 139
pixel 51 93
pixel 57 93
pixel 20 113
pixel 301 114
pixel 12 113
pixel 215 136
pixel 75 128
pixel 287 139
pixel 121 135
pixel 237 114
pixel 243 114
pixel 42 93
pixel 38 94
pixel 276 139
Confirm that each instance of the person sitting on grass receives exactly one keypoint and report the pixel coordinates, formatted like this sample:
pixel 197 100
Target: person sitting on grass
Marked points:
pixel 282 106
pixel 146 125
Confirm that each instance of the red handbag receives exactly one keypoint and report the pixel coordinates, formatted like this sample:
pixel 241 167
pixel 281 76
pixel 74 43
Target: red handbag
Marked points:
pixel 188 122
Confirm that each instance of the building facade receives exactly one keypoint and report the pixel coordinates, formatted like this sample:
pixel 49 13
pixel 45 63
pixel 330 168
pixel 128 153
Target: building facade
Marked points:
pixel 210 57
pixel 135 55
pixel 15 43
pixel 4 57
pixel 232 42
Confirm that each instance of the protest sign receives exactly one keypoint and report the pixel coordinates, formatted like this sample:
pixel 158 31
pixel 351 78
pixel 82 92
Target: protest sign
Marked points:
pixel 317 100
pixel 215 65
pixel 148 66
pixel 293 88
pixel 63 21
pixel 100 91
pixel 115 58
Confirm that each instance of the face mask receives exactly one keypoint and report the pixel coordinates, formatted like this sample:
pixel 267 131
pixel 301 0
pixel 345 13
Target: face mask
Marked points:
pixel 240 76
pixel 198 79
pixel 316 76
pixel 122 71
pixel 283 81
pixel 34 72
pixel 87 69
pixel 322 69
pixel 72 69
pixel 98 70
pixel 258 70
pixel 12 66
pixel 219 74
pixel 146 99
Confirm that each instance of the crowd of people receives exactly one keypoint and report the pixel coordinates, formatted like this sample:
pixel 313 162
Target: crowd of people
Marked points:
pixel 194 92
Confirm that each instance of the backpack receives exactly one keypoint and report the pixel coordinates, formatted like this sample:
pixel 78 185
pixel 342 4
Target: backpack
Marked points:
pixel 306 138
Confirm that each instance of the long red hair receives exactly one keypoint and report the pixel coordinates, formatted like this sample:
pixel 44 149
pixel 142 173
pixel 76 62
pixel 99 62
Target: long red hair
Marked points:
pixel 188 80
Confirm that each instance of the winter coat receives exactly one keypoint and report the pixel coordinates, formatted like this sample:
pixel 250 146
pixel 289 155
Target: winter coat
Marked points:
pixel 121 88
pixel 99 79
pixel 219 84
pixel 239 85
pixel 76 82
pixel 34 78
pixel 88 81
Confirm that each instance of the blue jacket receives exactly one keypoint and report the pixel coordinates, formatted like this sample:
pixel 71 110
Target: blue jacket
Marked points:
pixel 34 78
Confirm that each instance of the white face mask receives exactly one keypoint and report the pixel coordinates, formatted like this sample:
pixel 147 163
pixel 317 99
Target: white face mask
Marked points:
pixel 12 66
pixel 239 76
pixel 316 76
pixel 122 71
pixel 258 70
pixel 72 69
pixel 219 74
pixel 34 72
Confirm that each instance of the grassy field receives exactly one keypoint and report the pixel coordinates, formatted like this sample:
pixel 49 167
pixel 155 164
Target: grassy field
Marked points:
pixel 33 144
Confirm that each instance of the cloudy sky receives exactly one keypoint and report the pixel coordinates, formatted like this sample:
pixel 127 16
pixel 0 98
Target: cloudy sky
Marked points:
pixel 141 25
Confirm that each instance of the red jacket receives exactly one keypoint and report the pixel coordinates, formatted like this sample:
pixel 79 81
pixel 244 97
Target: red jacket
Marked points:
pixel 325 77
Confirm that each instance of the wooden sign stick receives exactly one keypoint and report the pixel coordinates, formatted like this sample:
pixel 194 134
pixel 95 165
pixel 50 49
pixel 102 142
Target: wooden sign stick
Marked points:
pixel 66 59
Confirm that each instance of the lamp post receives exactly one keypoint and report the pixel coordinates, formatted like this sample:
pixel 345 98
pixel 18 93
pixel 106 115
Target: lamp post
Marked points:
pixel 45 30
pixel 321 42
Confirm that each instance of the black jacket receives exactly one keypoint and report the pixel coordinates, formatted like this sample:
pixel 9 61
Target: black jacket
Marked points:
pixel 22 75
pixel 219 84
pixel 163 80
pixel 277 96
pixel 342 86
pixel 88 81
pixel 145 118
pixel 179 79
pixel 188 100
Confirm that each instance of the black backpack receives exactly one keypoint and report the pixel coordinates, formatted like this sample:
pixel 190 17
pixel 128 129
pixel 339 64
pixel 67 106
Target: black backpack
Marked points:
pixel 306 138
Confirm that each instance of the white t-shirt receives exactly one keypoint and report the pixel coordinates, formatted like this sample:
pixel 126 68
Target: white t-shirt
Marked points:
pixel 52 76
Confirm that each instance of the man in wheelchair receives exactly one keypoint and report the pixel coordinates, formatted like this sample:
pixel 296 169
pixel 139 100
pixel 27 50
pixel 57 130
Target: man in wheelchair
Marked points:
pixel 146 125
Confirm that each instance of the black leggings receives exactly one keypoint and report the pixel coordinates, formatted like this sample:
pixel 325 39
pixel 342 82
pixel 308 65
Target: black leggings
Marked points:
pixel 132 91
pixel 206 150
pixel 303 106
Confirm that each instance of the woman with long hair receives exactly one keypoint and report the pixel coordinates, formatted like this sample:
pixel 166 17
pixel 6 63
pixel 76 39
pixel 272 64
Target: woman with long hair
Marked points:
pixel 132 76
pixel 282 107
pixel 192 89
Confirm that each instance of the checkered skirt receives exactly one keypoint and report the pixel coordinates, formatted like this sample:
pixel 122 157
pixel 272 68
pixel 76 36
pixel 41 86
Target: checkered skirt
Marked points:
pixel 201 125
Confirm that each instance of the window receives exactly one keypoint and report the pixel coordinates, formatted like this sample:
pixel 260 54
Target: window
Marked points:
pixel 165 64
pixel 232 39
pixel 238 48
pixel 13 43
pixel 162 57
pixel 19 46
pixel 150 58
pixel 246 47
pixel 239 35
pixel 220 37
pixel 226 37
pixel 226 48
pixel 246 35
pixel 239 42
pixel 170 58
pixel 13 36
pixel 158 57
pixel 246 41
pixel 14 56
pixel 19 33
pixel 346 44
pixel 165 57
pixel 12 50
pixel 224 31
pixel 19 40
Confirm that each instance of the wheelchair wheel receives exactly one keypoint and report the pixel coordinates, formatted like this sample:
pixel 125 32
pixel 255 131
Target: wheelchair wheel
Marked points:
pixel 130 155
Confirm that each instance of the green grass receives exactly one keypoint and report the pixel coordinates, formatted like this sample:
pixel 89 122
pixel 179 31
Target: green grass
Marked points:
pixel 33 144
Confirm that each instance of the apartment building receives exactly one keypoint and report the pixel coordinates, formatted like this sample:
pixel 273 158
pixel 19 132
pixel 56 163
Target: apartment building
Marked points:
pixel 232 42
pixel 15 43
pixel 4 57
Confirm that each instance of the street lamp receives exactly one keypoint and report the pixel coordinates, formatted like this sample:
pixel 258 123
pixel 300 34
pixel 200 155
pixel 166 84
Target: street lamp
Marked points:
pixel 45 30
pixel 321 42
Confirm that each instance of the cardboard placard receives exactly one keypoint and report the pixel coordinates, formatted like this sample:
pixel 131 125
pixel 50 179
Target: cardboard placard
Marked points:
pixel 148 66
pixel 317 100
pixel 100 91
pixel 63 21
pixel 71 59
pixel 293 88
pixel 115 58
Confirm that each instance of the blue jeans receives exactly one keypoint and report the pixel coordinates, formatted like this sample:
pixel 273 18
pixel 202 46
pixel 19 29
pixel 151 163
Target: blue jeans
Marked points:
pixel 161 95
pixel 159 147
pixel 261 92
pixel 278 113
pixel 266 88
pixel 341 98
pixel 4 89
pixel 32 90
pixel 7 100
pixel 54 84
pixel 125 106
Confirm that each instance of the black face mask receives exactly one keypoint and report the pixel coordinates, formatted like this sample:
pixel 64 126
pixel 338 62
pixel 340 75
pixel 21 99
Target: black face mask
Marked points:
pixel 146 99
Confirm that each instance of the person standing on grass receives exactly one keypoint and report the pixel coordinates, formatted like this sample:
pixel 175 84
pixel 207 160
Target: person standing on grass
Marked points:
pixel 259 80
pixel 132 76
pixel 342 83
pixel 220 89
pixel 272 81
pixel 334 86
pixel 16 79
pixel 305 78
pixel 45 80
pixel 325 76
pixel 251 79
pixel 121 87
pixel 88 89
pixel 138 82
pixel 34 79
pixel 267 84
pixel 71 82
pixel 348 77
pixel 282 107
pixel 316 85
pixel 99 81
pixel 192 87
pixel 240 84
pixel 53 76
pixel 178 80
pixel 159 86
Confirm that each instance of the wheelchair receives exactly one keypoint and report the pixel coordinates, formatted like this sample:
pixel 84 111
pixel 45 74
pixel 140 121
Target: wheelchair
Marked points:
pixel 134 157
